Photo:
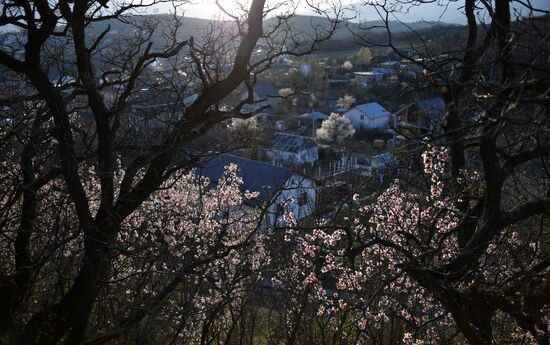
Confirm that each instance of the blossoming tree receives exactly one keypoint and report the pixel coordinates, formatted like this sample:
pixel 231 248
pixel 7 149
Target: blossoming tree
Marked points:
pixel 79 97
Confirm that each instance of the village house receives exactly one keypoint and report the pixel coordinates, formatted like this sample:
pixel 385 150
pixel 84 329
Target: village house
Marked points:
pixel 418 119
pixel 314 115
pixel 368 79
pixel 305 69
pixel 290 150
pixel 280 190
pixel 264 95
pixel 387 68
pixel 369 116
pixel 312 121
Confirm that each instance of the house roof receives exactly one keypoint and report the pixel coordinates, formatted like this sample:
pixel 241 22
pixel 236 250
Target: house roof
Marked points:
pixel 434 107
pixel 264 178
pixel 373 110
pixel 265 90
pixel 291 143
pixel 368 73
pixel 190 99
pixel 389 63
pixel 382 160
pixel 314 115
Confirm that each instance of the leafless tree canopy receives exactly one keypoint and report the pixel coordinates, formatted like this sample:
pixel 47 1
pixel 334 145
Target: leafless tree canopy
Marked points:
pixel 79 80
pixel 495 83
pixel 100 100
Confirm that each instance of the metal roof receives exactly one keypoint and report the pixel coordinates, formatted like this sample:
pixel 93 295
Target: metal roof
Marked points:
pixel 264 178
pixel 291 142
pixel 314 115
pixel 368 73
pixel 373 110
pixel 265 90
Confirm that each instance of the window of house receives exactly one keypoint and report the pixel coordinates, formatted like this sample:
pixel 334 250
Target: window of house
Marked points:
pixel 362 117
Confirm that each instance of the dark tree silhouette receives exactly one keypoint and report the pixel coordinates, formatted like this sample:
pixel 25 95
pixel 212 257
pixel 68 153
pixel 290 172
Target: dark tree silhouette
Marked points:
pixel 81 92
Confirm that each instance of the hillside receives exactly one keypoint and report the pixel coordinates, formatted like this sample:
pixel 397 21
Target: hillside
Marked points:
pixel 197 27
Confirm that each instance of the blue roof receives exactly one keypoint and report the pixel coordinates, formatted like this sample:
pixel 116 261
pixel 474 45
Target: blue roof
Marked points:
pixel 383 160
pixel 373 110
pixel 434 107
pixel 314 115
pixel 264 178
pixel 265 90
pixel 291 143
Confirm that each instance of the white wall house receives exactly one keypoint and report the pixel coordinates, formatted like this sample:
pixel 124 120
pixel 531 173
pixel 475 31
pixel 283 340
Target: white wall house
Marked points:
pixel 290 149
pixel 280 190
pixel 305 69
pixel 369 116
pixel 297 195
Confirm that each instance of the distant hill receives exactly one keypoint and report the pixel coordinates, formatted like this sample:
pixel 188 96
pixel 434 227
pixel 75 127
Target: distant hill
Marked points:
pixel 451 12
pixel 196 27
pixel 308 24
pixel 303 25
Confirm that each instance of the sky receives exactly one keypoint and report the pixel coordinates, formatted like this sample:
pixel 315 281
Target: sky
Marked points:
pixel 448 11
